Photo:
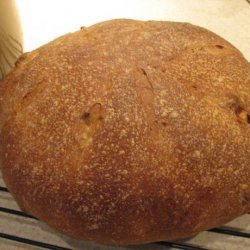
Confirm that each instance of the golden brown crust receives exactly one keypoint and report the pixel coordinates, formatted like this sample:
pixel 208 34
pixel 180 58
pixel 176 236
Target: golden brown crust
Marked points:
pixel 129 132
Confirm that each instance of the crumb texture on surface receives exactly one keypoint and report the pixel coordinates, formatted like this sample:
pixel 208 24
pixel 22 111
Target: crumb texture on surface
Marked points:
pixel 129 132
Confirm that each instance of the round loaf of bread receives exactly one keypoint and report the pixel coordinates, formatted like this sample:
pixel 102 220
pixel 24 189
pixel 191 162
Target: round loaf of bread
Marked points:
pixel 129 132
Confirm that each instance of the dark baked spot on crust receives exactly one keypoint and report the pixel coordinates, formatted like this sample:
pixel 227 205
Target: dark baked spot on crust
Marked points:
pixel 211 49
pixel 85 116
pixel 164 124
pixel 219 46
pixel 27 95
pixel 248 118
pixel 144 72
pixel 94 115
pixel 242 115
pixel 236 104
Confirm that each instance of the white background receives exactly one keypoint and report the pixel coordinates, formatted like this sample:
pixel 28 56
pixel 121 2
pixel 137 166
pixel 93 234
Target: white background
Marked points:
pixel 44 20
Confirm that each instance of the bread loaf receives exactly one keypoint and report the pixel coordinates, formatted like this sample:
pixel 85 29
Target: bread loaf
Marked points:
pixel 129 132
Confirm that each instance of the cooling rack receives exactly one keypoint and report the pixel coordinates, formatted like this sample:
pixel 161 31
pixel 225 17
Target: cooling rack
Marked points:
pixel 22 231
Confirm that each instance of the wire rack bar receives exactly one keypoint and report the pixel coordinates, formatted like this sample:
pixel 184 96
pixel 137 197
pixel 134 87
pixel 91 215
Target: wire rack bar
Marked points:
pixel 4 189
pixel 16 212
pixel 182 246
pixel 230 232
pixel 32 242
